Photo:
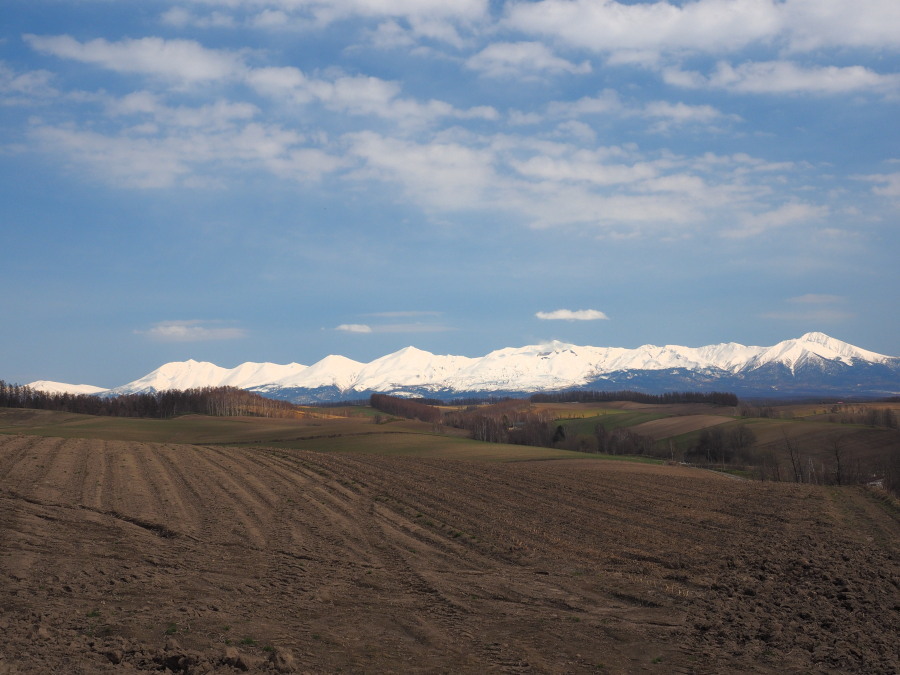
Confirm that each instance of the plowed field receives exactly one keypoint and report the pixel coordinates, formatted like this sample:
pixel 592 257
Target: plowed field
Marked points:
pixel 122 556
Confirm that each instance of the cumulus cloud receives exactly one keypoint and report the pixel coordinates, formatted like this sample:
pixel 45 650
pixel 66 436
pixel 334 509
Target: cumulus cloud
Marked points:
pixel 417 327
pixel 787 214
pixel 444 175
pixel 358 95
pixel 552 183
pixel 666 114
pixel 607 26
pixel 19 88
pixel 640 30
pixel 420 10
pixel 786 77
pixel 431 19
pixel 669 115
pixel 192 331
pixel 607 101
pixel 183 60
pixel 354 328
pixel 151 157
pixel 887 185
pixel 181 18
pixel 188 62
pixel 505 59
pixel 572 315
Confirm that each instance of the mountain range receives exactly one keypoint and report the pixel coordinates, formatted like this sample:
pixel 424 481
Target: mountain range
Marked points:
pixel 813 364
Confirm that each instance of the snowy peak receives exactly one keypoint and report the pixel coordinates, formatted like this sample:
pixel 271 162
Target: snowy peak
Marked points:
pixel 50 387
pixel 176 375
pixel 409 367
pixel 814 348
pixel 332 371
pixel 192 374
pixel 546 366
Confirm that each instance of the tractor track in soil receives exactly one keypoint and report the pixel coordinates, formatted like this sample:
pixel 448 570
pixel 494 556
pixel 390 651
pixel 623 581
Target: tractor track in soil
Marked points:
pixel 129 556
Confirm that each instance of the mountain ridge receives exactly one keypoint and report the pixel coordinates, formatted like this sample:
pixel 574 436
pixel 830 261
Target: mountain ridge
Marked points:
pixel 553 365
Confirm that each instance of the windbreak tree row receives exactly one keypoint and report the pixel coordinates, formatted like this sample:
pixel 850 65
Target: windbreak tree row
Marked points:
pixel 217 401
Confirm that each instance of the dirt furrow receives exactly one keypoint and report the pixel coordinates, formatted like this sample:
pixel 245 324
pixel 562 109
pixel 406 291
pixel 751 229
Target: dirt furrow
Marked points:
pixel 117 556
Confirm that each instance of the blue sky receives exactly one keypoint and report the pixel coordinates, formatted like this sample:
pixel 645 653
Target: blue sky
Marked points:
pixel 277 180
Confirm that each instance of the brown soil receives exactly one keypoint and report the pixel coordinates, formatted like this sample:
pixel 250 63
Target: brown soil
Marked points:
pixel 119 556
pixel 674 426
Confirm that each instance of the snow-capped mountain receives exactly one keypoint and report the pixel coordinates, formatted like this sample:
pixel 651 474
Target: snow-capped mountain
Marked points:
pixel 193 374
pixel 811 364
pixel 50 387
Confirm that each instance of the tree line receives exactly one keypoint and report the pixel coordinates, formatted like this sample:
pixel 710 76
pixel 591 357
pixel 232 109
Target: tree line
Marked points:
pixel 215 401
pixel 578 396
pixel 406 407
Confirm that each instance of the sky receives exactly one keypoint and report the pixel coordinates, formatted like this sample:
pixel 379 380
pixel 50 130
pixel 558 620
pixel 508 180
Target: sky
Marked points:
pixel 279 180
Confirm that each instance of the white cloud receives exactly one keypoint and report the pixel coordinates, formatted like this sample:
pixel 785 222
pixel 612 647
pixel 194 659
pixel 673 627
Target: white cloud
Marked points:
pixel 785 77
pixel 182 60
pixel 522 59
pixel 606 102
pixel 788 214
pixel 218 115
pixel 666 113
pixel 192 331
pixel 417 327
pixel 570 315
pixel 607 26
pixel 888 184
pixel 181 18
pixel 151 156
pixel 679 114
pixel 584 166
pixel 331 10
pixel 431 19
pixel 546 183
pixel 391 35
pixel 26 87
pixel 814 24
pixel 639 32
pixel 354 328
pixel 358 95
pixel 442 175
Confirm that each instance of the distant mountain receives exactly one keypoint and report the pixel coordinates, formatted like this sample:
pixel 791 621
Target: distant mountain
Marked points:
pixel 50 387
pixel 813 364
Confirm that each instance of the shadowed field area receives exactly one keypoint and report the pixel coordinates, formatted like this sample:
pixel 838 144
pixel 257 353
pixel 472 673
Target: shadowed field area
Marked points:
pixel 124 555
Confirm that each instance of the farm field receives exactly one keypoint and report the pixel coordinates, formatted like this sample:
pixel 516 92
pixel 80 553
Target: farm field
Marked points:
pixel 328 434
pixel 121 556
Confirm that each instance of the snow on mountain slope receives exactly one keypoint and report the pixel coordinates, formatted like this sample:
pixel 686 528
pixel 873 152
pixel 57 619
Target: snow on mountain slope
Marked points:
pixel 252 374
pixel 50 387
pixel 176 375
pixel 547 366
pixel 794 353
pixel 552 365
pixel 410 367
pixel 191 374
pixel 332 371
